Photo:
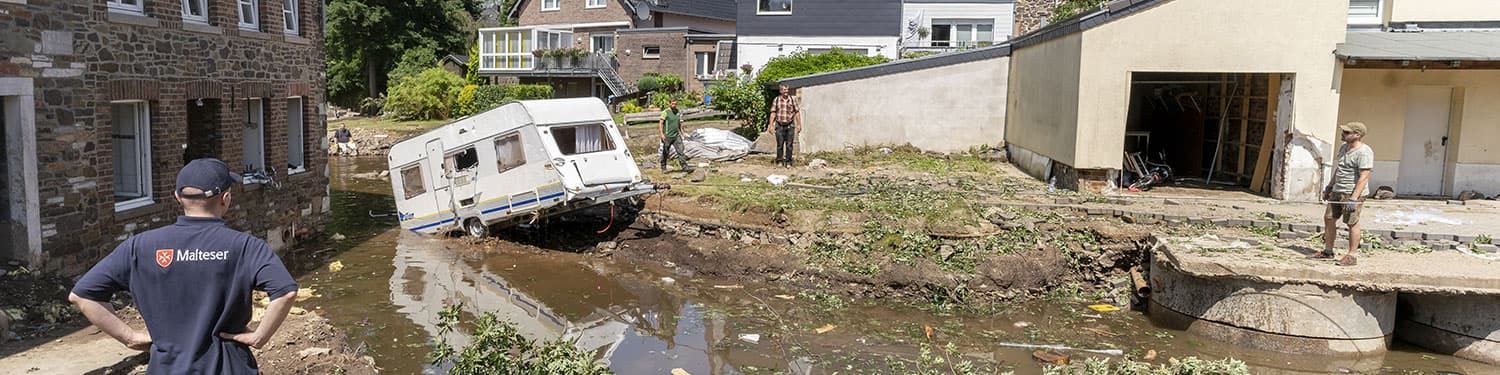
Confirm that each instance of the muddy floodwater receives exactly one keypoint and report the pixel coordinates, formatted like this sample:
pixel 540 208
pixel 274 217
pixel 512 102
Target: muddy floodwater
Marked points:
pixel 652 318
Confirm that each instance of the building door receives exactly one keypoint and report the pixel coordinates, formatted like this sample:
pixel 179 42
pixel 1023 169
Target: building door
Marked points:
pixel 438 179
pixel 1424 145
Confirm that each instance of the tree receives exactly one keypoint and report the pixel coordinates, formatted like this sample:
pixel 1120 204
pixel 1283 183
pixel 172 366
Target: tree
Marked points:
pixel 366 38
pixel 1069 8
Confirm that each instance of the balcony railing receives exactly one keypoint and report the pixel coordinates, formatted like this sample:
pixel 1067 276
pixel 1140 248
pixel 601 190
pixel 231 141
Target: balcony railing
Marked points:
pixel 588 63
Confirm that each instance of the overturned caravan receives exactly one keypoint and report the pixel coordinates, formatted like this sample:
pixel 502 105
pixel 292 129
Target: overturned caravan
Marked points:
pixel 517 163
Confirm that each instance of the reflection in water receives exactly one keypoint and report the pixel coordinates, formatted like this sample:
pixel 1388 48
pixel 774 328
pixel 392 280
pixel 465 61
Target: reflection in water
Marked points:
pixel 395 283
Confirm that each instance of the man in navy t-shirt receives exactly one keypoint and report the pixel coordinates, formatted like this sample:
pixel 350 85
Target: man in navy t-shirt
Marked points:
pixel 192 282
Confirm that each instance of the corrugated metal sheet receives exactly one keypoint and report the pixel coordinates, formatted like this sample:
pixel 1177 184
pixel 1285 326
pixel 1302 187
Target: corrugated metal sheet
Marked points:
pixel 1468 45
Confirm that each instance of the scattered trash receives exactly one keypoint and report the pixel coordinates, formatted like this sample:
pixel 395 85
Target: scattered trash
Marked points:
pixel 336 266
pixel 670 264
pixel 699 175
pixel 785 297
pixel 886 151
pixel 313 352
pixel 1060 348
pixel 680 371
pixel 1416 216
pixel 1150 355
pixel 928 330
pixel 1050 357
pixel 1384 192
pixel 338 237
pixel 1104 308
pixel 1468 195
pixel 776 179
pixel 715 144
pixel 1021 324
pixel 1092 316
pixel 668 280
pixel 1100 332
pixel 385 173
pixel 702 165
pixel 825 328
pixel 298 310
pixel 753 338
pixel 817 164
pixel 729 286
pixel 304 294
pixel 746 179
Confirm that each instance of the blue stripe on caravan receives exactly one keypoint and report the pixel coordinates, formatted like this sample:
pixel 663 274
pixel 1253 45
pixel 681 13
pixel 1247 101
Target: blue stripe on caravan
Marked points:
pixel 492 210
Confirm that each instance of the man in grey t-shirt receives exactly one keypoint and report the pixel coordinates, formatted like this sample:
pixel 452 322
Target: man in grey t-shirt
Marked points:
pixel 1346 192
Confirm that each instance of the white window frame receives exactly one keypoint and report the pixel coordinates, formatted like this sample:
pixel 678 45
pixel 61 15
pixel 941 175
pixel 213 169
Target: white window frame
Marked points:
pixel 291 24
pixel 556 5
pixel 187 9
pixel 1366 19
pixel 594 42
pixel 509 48
pixel 707 65
pixel 143 154
pixel 254 24
pixel 138 8
pixel 645 55
pixel 296 135
pixel 954 23
pixel 258 116
pixel 762 12
pixel 594 4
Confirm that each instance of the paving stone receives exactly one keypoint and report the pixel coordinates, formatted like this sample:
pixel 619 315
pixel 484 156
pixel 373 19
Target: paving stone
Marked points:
pixel 1307 228
pixel 1171 202
pixel 1238 223
pixel 1199 220
pixel 1406 235
pixel 1465 238
pixel 1438 237
pixel 1380 233
pixel 1098 212
pixel 1487 248
pixel 1285 235
pixel 1456 202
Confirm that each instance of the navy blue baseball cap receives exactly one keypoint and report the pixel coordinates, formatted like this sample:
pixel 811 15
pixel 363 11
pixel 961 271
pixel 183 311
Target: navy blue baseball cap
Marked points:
pixel 209 175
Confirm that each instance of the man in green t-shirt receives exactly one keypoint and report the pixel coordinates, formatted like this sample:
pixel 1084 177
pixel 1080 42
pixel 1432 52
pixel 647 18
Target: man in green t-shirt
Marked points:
pixel 670 127
pixel 1346 191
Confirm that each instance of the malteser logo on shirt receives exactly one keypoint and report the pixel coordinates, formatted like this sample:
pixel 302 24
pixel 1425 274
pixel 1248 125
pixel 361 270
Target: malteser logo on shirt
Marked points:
pixel 165 257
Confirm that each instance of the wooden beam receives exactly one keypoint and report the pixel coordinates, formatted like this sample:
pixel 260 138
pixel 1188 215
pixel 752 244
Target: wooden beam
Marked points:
pixel 1244 123
pixel 1268 138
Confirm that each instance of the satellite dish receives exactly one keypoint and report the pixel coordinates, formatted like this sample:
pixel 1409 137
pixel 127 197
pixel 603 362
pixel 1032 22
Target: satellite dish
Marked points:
pixel 642 10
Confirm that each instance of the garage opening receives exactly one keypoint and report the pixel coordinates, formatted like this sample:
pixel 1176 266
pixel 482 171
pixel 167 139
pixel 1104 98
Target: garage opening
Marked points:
pixel 1201 130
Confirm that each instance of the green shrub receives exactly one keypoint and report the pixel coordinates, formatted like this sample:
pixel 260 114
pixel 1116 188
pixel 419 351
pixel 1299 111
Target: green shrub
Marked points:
pixel 1069 8
pixel 496 347
pixel 803 63
pixel 426 96
pixel 471 74
pixel 667 81
pixel 372 106
pixel 1186 366
pixel 660 100
pixel 631 107
pixel 464 104
pixel 648 84
pixel 528 92
pixel 743 99
pixel 412 62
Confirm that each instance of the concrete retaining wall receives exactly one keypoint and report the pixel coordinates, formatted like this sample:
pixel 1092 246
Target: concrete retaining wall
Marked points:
pixel 945 109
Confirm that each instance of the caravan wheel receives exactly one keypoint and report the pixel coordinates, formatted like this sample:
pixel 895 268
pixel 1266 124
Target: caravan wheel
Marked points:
pixel 476 228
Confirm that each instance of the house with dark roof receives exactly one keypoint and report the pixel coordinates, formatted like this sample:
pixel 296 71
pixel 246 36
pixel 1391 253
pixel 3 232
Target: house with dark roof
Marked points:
pixel 1085 101
pixel 609 44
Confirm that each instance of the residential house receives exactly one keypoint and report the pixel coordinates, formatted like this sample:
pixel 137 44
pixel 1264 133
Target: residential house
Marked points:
pixel 944 25
pixel 1423 75
pixel 104 100
pixel 771 28
pixel 624 40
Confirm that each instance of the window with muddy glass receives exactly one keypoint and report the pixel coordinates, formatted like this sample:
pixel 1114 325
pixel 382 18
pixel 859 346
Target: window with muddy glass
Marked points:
pixel 461 161
pixel 582 139
pixel 411 181
pixel 508 152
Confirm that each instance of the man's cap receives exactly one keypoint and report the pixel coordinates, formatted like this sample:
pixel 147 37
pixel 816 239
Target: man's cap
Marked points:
pixel 211 176
pixel 1354 127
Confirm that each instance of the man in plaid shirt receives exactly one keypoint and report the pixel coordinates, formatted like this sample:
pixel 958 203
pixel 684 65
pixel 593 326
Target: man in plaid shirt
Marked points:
pixel 784 114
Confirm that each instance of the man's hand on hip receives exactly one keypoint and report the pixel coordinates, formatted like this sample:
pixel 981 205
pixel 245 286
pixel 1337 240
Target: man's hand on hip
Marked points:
pixel 138 341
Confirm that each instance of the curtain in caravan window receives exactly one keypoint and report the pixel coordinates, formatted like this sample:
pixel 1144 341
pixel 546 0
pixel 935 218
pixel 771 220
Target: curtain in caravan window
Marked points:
pixel 590 138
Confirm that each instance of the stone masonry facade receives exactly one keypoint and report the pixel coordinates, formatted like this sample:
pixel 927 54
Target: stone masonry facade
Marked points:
pixel 1030 14
pixel 81 56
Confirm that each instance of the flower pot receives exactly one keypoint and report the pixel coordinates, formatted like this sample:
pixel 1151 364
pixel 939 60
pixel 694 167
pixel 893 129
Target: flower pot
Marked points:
pixel 564 62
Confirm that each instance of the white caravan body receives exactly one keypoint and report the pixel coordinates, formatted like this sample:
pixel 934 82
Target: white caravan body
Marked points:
pixel 519 162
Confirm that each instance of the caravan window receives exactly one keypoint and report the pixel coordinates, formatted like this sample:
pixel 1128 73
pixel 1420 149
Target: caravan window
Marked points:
pixel 411 181
pixel 462 160
pixel 582 139
pixel 508 152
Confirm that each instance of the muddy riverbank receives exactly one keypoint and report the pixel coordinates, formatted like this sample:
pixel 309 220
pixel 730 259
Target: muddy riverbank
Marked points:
pixel 664 293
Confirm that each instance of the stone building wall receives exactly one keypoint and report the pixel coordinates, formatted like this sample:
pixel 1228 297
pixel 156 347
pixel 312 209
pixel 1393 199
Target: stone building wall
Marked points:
pixel 1030 14
pixel 674 57
pixel 80 56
